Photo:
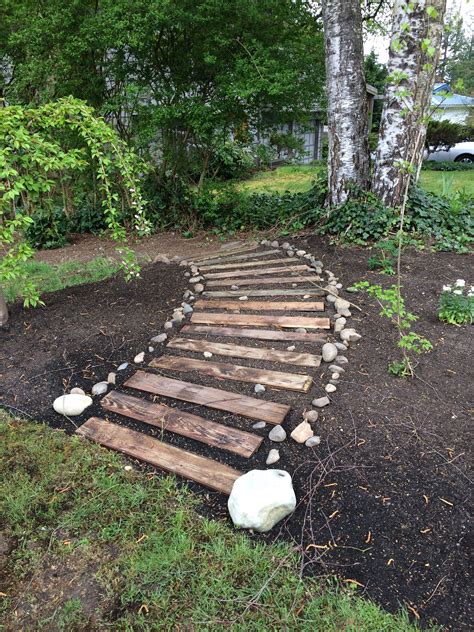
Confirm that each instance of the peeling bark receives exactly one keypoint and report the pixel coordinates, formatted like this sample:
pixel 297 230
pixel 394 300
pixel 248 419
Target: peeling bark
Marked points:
pixel 3 309
pixel 348 162
pixel 407 102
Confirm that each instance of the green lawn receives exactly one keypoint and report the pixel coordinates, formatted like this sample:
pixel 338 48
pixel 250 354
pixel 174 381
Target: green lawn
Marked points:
pixel 299 178
pixel 136 548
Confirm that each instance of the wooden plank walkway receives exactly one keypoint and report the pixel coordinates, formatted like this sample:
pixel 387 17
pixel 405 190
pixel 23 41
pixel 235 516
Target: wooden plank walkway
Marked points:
pixel 166 457
pixel 270 292
pixel 237 351
pixel 228 258
pixel 219 399
pixel 236 373
pixel 261 306
pixel 259 320
pixel 258 272
pixel 183 423
pixel 289 263
pixel 272 281
pixel 224 253
pixel 256 334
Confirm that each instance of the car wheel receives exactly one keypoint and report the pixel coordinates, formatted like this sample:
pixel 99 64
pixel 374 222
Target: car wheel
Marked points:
pixel 464 158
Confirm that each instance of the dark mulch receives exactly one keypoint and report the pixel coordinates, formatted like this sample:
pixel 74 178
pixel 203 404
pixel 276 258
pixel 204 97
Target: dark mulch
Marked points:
pixel 387 491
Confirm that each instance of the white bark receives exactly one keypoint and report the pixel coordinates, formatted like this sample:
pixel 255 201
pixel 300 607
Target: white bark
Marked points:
pixel 3 309
pixel 407 99
pixel 348 162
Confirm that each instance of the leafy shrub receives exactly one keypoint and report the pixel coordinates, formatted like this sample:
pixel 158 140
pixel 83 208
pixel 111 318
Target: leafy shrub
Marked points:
pixel 456 307
pixel 49 228
pixel 445 134
pixel 432 165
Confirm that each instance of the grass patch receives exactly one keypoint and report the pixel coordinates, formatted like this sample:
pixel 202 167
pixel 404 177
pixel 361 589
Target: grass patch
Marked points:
pixel 299 178
pixel 159 564
pixel 49 278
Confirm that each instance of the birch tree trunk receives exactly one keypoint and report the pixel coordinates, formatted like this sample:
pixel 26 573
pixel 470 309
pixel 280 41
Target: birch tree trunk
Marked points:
pixel 3 309
pixel 414 53
pixel 348 161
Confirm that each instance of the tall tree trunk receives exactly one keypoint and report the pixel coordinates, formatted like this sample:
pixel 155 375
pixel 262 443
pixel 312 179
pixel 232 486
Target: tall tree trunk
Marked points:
pixel 347 99
pixel 414 53
pixel 3 309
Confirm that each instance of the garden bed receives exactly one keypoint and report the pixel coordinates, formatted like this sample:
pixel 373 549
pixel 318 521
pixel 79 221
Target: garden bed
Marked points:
pixel 383 501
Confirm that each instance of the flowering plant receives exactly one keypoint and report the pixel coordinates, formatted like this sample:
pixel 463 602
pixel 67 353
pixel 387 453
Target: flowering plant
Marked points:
pixel 456 305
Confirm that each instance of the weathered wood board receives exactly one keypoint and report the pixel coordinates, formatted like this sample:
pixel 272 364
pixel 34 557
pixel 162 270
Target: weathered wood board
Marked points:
pixel 217 398
pixel 259 320
pixel 236 373
pixel 276 292
pixel 166 457
pixel 256 334
pixel 238 351
pixel 223 253
pixel 262 306
pixel 182 423
pixel 250 264
pixel 272 281
pixel 259 272
pixel 228 258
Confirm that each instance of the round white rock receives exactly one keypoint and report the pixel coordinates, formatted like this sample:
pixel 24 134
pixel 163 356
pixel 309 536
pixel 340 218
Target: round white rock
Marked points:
pixel 71 404
pixel 261 498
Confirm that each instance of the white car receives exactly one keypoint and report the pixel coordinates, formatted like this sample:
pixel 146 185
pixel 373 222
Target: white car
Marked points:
pixel 461 152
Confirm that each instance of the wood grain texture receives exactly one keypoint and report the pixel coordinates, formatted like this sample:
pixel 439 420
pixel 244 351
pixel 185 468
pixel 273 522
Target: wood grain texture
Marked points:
pixel 223 253
pixel 259 320
pixel 166 457
pixel 250 264
pixel 262 306
pixel 254 353
pixel 273 281
pixel 182 423
pixel 256 334
pixel 217 398
pixel 235 372
pixel 258 272
pixel 229 258
pixel 275 292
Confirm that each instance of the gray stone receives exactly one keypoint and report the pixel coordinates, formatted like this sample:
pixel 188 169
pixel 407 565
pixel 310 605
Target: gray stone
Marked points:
pixel 151 349
pixel 300 330
pixel 313 441
pixel 302 432
pixel 335 368
pixel 77 391
pixel 330 298
pixel 168 325
pixel 207 354
pixel 345 312
pixel 290 253
pixel 187 274
pixel 196 279
pixel 300 253
pixel 291 348
pixel 342 360
pixel 329 352
pixel 183 263
pixel 341 346
pixel 186 295
pixel 100 388
pixel 274 244
pixel 311 416
pixel 319 264
pixel 198 288
pixel 286 245
pixel 139 357
pixel 341 303
pixel 243 298
pixel 187 309
pixel 234 287
pixel 111 377
pixel 273 456
pixel 330 388
pixel 259 425
pixel 277 433
pixel 259 388
pixel 177 319
pixel 71 404
pixel 350 334
pixel 320 402
pixel 159 338
pixel 122 366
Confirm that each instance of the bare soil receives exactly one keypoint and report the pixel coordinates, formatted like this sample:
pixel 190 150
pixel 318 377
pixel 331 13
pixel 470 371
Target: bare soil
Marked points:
pixel 383 501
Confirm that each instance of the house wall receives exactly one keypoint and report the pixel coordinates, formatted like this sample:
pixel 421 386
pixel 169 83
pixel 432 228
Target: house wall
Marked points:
pixel 462 115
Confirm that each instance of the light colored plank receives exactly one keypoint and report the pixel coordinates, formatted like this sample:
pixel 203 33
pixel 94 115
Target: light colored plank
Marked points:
pixel 235 372
pixel 259 272
pixel 182 423
pixel 262 306
pixel 217 398
pixel 254 353
pixel 255 334
pixel 273 281
pixel 228 258
pixel 259 320
pixel 166 457
pixel 251 264
pixel 223 253
pixel 276 292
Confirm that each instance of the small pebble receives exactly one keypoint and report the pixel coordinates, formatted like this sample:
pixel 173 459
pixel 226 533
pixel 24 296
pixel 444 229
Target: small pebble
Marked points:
pixel 122 366
pixel 207 354
pixel 128 468
pixel 151 349
pixel 100 388
pixel 277 433
pixel 243 298
pixel 111 377
pixel 306 296
pixel 273 457
pixel 168 325
pixel 336 368
pixel 198 288
pixel 259 388
pixel 274 244
pixel 342 360
pixel 320 402
pixel 330 298
pixel 329 352
pixel 234 287
pixel 330 388
pixel 159 338
pixel 291 348
pixel 196 279
pixel 290 253
pixel 313 441
pixel 302 432
pixel 341 346
pixel 300 330
pixel 335 376
pixel 139 357
pixel 311 416
pixel 286 245
pixel 187 274
pixel 345 312
pixel 77 391
pixel 259 425
pixel 183 263
pixel 300 253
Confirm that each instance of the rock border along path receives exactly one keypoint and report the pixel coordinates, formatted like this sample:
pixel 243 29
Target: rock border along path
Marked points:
pixel 331 335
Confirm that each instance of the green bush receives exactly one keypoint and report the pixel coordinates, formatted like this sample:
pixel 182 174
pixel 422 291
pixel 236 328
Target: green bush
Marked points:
pixel 432 165
pixel 49 228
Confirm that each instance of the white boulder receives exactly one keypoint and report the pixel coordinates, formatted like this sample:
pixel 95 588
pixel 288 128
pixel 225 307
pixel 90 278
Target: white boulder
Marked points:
pixel 71 404
pixel 261 498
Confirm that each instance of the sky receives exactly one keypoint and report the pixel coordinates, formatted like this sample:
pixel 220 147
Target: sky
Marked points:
pixel 380 43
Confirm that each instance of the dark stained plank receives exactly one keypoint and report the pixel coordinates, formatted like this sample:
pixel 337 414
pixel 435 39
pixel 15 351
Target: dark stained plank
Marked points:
pixel 182 423
pixel 254 353
pixel 227 258
pixel 259 320
pixel 167 457
pixel 223 253
pixel 255 334
pixel 270 292
pixel 217 398
pixel 273 281
pixel 259 272
pixel 235 372
pixel 263 306
pixel 250 264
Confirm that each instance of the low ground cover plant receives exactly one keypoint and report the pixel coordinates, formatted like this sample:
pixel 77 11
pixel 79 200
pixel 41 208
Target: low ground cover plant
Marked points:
pixel 456 304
